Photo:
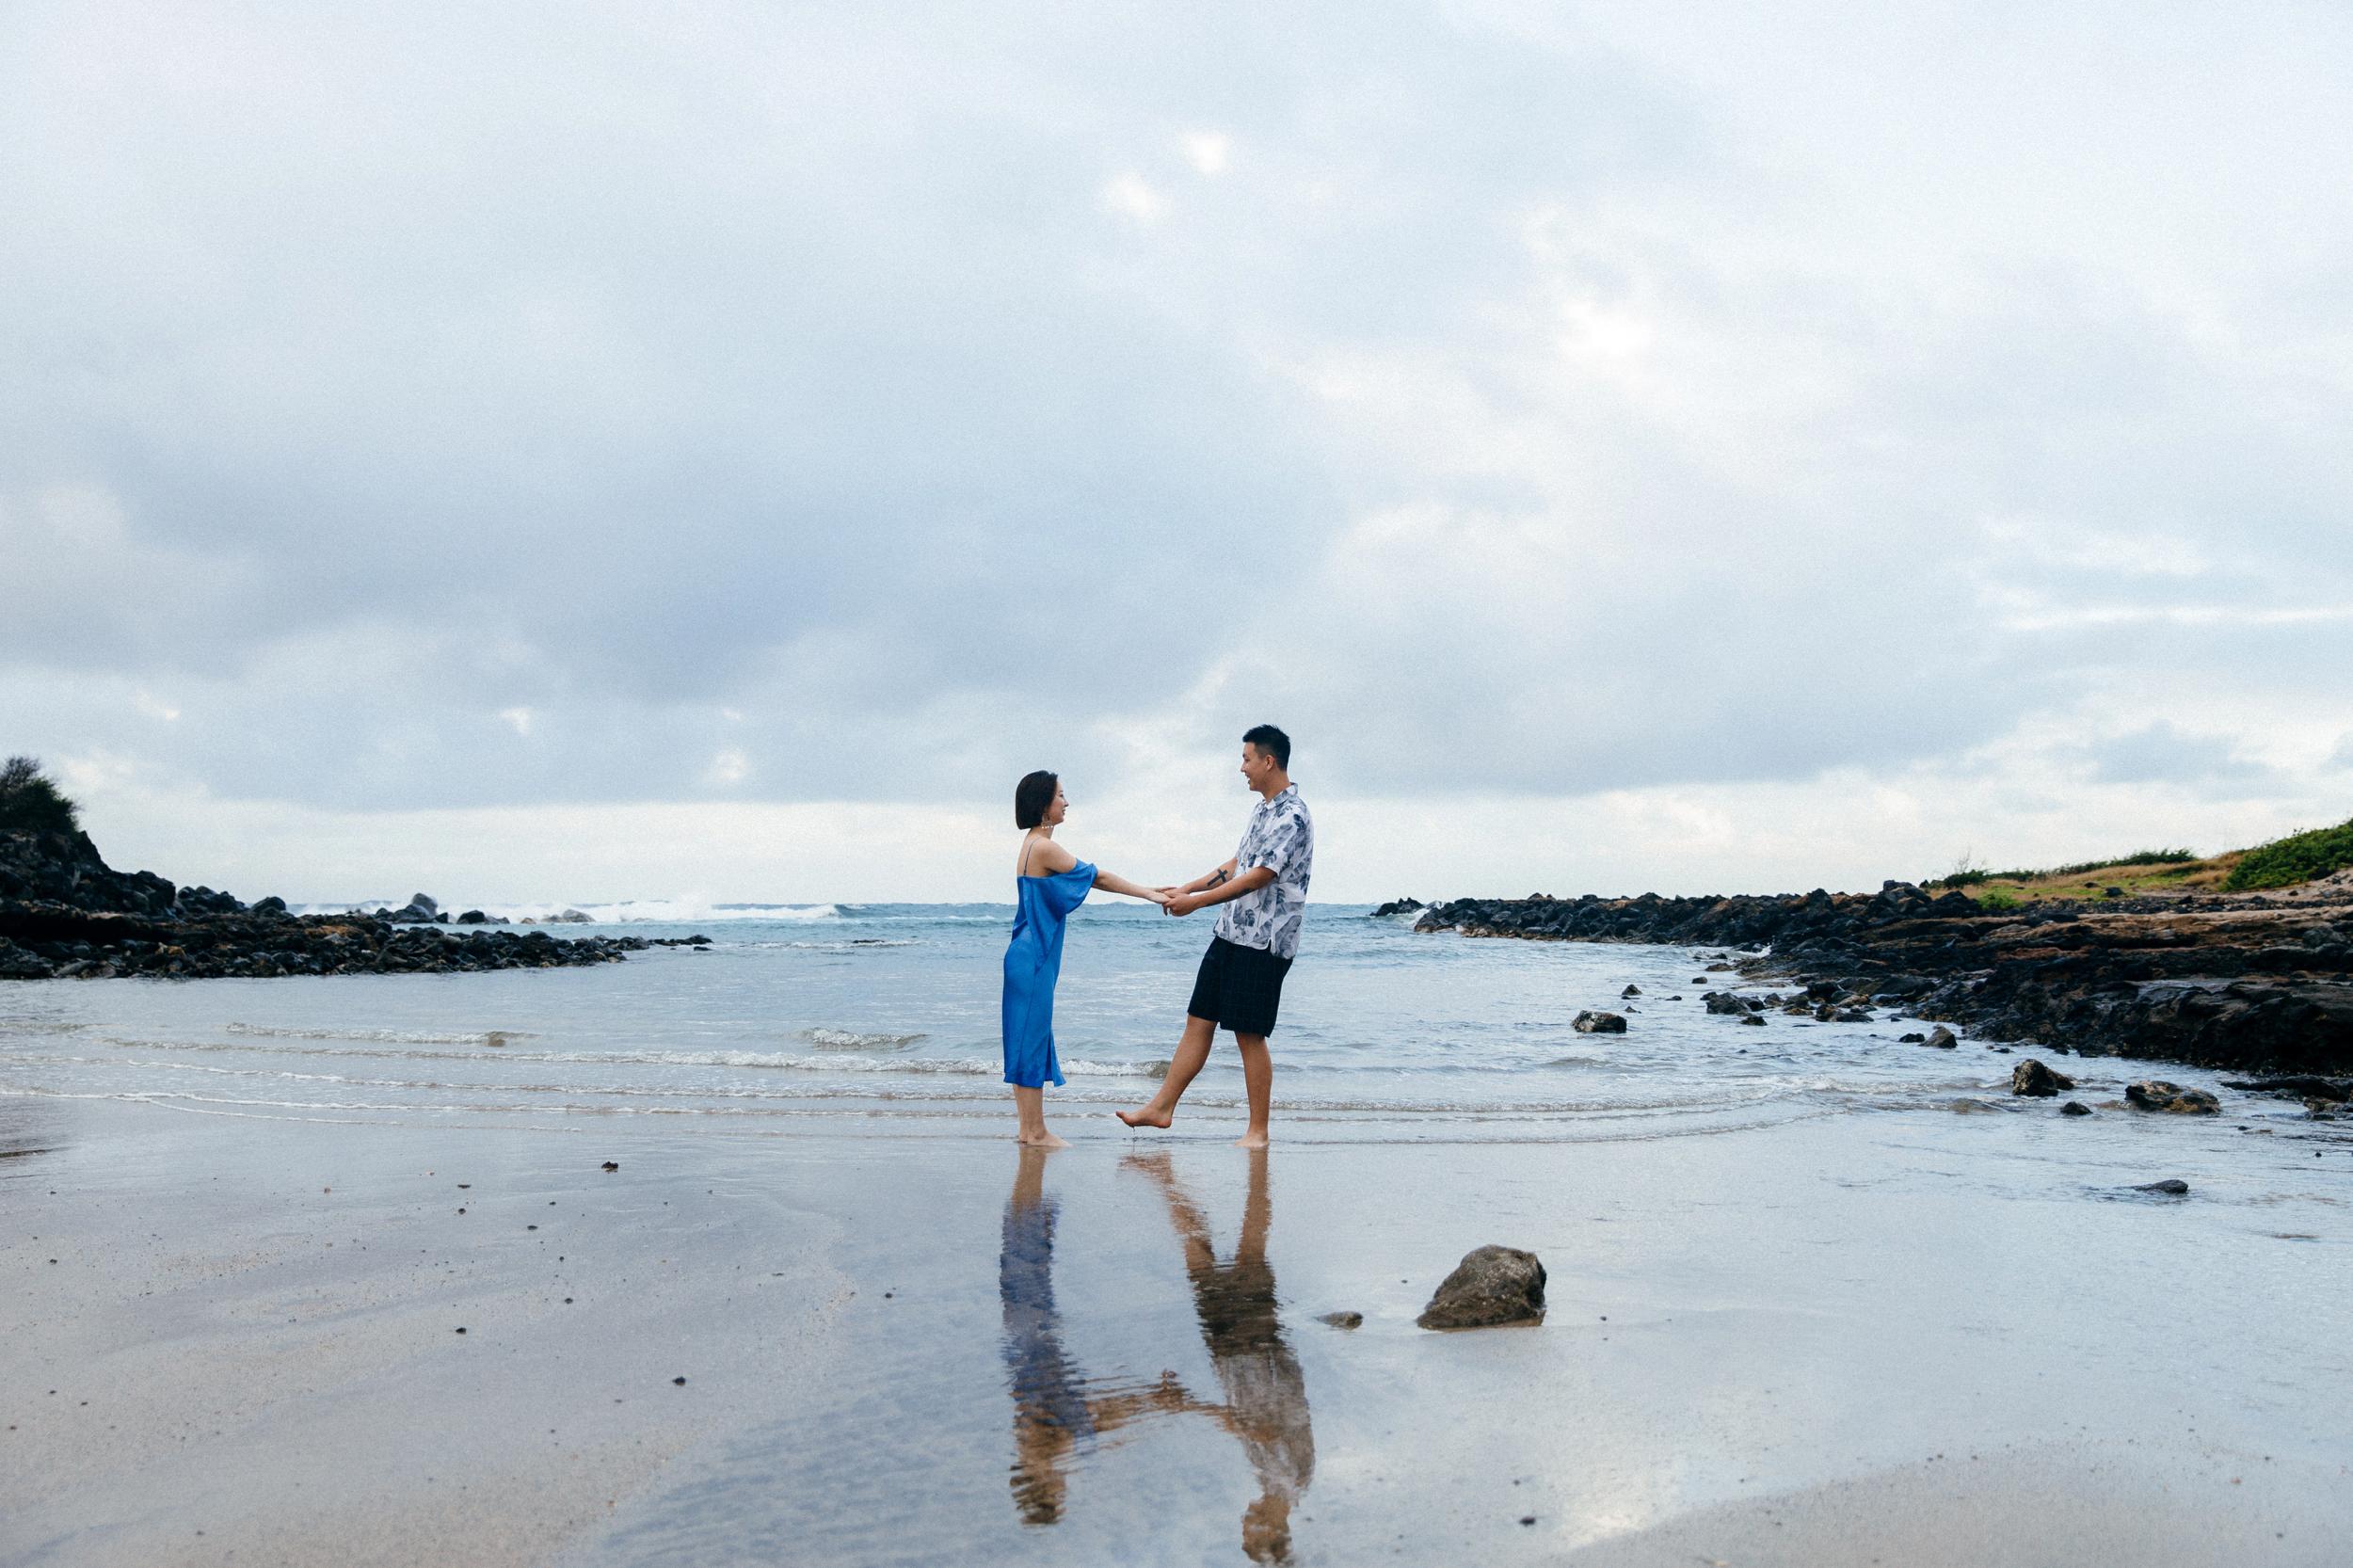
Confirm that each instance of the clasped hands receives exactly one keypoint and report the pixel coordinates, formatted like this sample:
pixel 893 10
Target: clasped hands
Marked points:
pixel 1176 900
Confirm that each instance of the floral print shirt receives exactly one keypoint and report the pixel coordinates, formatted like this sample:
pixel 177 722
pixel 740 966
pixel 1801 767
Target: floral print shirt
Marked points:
pixel 1282 837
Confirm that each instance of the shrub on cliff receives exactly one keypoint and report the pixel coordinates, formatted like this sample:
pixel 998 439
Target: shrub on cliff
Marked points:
pixel 29 802
pixel 2297 857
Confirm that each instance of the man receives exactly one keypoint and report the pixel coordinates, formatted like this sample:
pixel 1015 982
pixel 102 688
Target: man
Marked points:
pixel 1240 988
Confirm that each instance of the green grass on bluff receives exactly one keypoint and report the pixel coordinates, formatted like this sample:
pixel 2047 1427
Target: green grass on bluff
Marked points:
pixel 2281 863
pixel 2297 857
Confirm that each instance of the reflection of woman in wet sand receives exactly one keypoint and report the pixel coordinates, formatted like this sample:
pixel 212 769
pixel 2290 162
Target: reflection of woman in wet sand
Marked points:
pixel 1053 1410
pixel 1266 1395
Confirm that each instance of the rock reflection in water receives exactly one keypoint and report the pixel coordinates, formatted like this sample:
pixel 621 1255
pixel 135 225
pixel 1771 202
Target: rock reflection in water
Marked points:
pixel 1056 1410
pixel 1059 1413
pixel 28 1128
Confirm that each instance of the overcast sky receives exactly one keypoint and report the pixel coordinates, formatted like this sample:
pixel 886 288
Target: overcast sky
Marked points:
pixel 711 450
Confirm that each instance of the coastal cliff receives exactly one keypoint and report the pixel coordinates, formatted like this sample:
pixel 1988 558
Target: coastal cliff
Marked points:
pixel 66 914
pixel 2259 984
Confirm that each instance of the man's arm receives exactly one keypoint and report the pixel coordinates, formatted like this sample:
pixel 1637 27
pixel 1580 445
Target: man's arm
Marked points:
pixel 1206 880
pixel 1221 892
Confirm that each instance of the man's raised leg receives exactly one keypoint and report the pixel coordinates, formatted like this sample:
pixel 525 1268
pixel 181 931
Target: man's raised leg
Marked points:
pixel 1257 1077
pixel 1192 1053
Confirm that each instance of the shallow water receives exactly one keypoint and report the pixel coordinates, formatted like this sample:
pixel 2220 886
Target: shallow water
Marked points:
pixel 800 1014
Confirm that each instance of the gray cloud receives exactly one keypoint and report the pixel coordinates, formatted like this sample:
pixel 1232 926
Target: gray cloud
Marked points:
pixel 2161 754
pixel 425 405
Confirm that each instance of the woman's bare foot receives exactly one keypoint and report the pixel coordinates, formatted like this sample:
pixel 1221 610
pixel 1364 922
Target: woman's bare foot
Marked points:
pixel 1043 1141
pixel 1250 1141
pixel 1144 1117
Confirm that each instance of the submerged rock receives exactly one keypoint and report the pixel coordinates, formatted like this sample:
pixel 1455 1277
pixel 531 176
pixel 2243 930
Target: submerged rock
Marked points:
pixel 1598 1023
pixel 1942 1038
pixel 1399 906
pixel 2173 1187
pixel 1343 1319
pixel 2074 1108
pixel 2155 1094
pixel 2033 1078
pixel 1492 1286
pixel 1727 1003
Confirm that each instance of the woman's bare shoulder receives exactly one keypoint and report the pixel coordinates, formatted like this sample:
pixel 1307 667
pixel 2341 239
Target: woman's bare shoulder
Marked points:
pixel 1041 857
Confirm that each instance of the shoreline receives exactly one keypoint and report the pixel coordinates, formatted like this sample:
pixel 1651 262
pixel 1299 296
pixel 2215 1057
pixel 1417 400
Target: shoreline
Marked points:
pixel 2254 984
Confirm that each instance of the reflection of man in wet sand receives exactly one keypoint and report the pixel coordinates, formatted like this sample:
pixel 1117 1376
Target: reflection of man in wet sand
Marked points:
pixel 1054 1412
pixel 1266 1395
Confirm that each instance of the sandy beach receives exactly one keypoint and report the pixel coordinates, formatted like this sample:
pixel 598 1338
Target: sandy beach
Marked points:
pixel 1836 1340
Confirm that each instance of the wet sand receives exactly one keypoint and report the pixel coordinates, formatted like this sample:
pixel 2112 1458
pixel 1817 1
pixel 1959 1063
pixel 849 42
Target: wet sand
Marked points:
pixel 1920 1337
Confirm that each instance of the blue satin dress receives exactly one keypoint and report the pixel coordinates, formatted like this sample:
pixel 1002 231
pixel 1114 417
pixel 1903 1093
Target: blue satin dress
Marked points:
pixel 1033 964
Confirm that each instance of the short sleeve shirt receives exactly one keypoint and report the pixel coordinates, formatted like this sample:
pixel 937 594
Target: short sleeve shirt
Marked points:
pixel 1282 837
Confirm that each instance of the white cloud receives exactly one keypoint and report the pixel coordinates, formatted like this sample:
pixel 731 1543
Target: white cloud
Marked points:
pixel 517 719
pixel 1209 153
pixel 729 766
pixel 1131 196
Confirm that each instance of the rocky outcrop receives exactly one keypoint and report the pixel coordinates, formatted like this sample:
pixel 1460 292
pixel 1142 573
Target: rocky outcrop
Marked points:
pixel 421 910
pixel 1490 1287
pixel 64 868
pixel 2036 1080
pixel 64 914
pixel 1397 907
pixel 2155 1094
pixel 46 941
pixel 2248 984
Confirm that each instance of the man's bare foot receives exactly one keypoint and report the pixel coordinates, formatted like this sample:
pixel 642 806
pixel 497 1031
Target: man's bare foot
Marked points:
pixel 1250 1141
pixel 1144 1118
pixel 1043 1141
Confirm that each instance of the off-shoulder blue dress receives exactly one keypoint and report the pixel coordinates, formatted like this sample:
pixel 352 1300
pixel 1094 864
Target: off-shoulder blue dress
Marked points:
pixel 1033 964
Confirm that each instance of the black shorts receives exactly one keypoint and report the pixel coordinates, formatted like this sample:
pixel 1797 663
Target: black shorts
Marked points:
pixel 1240 988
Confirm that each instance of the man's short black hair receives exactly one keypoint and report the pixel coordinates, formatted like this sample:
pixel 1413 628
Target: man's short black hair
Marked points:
pixel 1032 797
pixel 1271 742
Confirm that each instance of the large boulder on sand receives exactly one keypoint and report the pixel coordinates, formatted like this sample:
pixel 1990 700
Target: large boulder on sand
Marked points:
pixel 1491 1286
pixel 2155 1094
pixel 2032 1078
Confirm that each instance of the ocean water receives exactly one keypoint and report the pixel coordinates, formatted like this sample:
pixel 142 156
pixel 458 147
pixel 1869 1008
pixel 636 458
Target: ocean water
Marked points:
pixel 801 1016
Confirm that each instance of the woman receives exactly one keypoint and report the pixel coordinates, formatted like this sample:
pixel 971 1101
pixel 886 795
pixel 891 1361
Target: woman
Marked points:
pixel 1048 882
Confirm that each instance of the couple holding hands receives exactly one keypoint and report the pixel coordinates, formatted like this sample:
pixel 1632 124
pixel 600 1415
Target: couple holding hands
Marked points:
pixel 1263 891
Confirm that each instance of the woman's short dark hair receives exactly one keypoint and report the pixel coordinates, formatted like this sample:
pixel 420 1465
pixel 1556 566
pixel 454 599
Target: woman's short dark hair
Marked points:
pixel 1032 795
pixel 1271 742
